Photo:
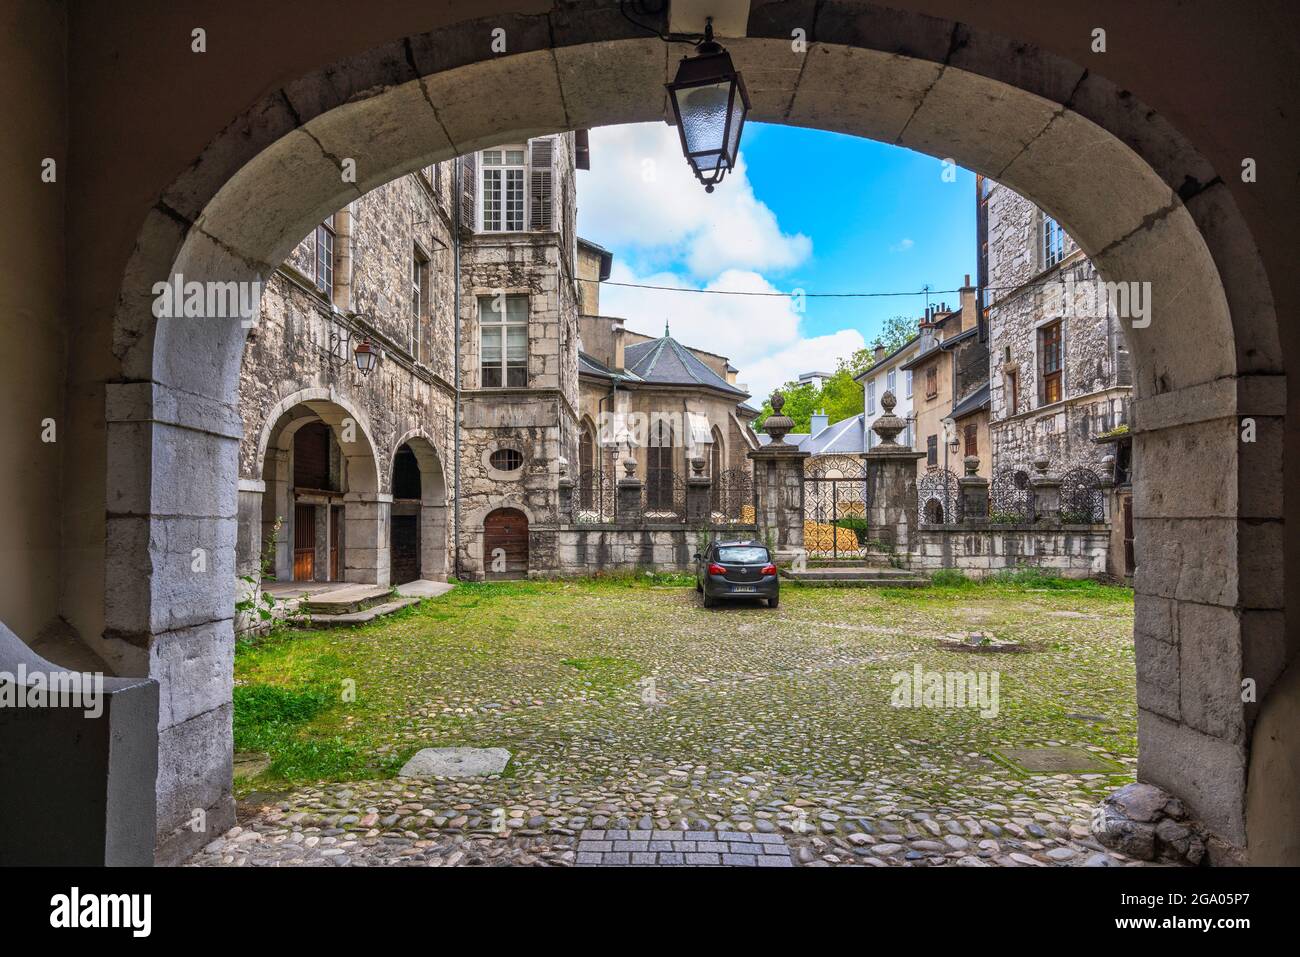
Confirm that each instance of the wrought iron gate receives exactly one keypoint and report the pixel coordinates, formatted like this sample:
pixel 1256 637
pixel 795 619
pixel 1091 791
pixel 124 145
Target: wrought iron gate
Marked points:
pixel 837 492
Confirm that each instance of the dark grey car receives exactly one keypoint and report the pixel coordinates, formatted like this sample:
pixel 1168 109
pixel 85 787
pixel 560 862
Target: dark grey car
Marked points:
pixel 736 570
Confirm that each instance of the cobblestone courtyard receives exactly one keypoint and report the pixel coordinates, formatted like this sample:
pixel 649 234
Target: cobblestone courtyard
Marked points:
pixel 636 718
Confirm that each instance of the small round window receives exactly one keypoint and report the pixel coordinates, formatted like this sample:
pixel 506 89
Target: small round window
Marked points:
pixel 506 460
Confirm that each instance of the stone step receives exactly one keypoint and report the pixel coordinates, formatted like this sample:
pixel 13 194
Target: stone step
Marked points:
pixel 362 617
pixel 347 600
pixel 865 582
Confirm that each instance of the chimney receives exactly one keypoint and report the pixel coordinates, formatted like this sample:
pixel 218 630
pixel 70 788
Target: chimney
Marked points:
pixel 618 355
pixel 969 306
pixel 879 352
pixel 819 421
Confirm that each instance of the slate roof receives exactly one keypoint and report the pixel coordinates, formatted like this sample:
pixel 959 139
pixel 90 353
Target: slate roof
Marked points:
pixel 843 438
pixel 667 362
pixel 587 365
pixel 977 400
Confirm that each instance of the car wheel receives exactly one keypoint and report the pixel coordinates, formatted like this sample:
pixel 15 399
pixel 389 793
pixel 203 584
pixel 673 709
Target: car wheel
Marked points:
pixel 709 600
pixel 698 587
pixel 773 601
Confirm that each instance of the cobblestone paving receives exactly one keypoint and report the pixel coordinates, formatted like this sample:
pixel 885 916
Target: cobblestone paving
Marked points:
pixel 761 727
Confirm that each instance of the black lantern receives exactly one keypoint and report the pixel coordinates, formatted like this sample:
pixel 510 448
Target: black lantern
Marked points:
pixel 365 356
pixel 710 102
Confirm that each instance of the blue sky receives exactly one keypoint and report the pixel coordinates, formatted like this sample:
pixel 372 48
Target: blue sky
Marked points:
pixel 806 209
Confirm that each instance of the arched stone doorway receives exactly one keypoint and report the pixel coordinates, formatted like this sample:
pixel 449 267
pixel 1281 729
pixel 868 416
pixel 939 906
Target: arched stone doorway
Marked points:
pixel 1144 205
pixel 505 544
pixel 318 506
pixel 418 529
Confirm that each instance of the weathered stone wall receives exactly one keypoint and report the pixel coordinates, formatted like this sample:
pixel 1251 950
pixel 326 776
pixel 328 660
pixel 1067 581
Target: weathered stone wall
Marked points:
pixel 597 549
pixel 1070 551
pixel 538 421
pixel 1096 380
pixel 288 358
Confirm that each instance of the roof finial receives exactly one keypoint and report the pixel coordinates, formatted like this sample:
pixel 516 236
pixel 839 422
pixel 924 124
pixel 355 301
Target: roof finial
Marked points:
pixel 665 327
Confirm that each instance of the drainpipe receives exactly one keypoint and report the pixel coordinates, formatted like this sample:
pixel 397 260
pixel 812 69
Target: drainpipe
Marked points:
pixel 455 296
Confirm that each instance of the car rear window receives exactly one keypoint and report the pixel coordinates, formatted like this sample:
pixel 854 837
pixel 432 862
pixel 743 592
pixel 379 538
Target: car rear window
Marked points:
pixel 743 555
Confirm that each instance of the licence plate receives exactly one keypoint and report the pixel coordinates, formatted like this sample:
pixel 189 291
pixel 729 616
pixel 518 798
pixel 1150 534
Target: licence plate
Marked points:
pixel 742 588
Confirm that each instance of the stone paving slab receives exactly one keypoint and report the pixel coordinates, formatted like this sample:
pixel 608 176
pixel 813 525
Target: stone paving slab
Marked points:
pixel 667 848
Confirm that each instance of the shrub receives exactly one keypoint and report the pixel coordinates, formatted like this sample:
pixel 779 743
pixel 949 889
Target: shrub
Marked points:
pixel 950 578
pixel 858 527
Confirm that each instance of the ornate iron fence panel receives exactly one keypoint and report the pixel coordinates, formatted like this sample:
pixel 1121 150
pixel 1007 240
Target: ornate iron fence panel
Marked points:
pixel 663 499
pixel 593 497
pixel 837 494
pixel 1010 497
pixel 938 498
pixel 1081 497
pixel 731 497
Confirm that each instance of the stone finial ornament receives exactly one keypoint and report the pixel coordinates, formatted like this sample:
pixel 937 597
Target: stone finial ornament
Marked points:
pixel 564 466
pixel 889 426
pixel 777 425
pixel 972 463
pixel 697 466
pixel 1040 464
pixel 629 467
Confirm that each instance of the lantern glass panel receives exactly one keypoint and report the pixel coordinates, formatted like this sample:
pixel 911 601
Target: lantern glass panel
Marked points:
pixel 704 117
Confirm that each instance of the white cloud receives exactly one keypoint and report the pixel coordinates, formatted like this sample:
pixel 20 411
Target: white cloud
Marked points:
pixel 640 195
pixel 641 199
pixel 759 334
pixel 902 246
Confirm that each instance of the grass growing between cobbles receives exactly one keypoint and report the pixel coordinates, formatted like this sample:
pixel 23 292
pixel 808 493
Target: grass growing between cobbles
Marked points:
pixel 555 672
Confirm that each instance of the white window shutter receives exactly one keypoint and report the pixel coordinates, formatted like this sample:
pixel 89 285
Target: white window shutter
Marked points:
pixel 541 177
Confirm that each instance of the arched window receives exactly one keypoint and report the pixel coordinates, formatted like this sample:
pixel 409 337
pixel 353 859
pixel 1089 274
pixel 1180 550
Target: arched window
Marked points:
pixel 659 465
pixel 586 467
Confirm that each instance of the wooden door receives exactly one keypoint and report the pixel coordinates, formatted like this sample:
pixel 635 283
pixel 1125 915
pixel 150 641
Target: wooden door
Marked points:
pixel 304 543
pixel 336 539
pixel 505 544
pixel 404 549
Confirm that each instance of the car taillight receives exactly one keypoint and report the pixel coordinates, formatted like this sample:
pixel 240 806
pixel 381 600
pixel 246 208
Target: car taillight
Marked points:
pixel 769 569
pixel 716 569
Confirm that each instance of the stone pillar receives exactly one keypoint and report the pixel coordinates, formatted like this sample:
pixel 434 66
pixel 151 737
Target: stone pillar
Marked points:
pixel 698 486
pixel 627 510
pixel 248 541
pixel 566 501
pixel 892 467
pixel 974 491
pixel 778 486
pixel 366 556
pixel 1046 491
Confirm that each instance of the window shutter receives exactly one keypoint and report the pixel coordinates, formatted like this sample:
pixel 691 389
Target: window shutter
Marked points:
pixel 541 174
pixel 469 191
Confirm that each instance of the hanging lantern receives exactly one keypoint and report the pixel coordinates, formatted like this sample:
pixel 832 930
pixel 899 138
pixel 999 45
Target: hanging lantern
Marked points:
pixel 710 102
pixel 365 356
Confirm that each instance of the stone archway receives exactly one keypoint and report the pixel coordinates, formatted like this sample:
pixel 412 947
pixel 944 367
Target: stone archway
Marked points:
pixel 1141 201
pixel 430 510
pixel 350 539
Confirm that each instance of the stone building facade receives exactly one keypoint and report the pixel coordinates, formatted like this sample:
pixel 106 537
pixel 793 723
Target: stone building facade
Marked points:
pixel 949 384
pixel 1060 373
pixel 657 402
pixel 348 475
